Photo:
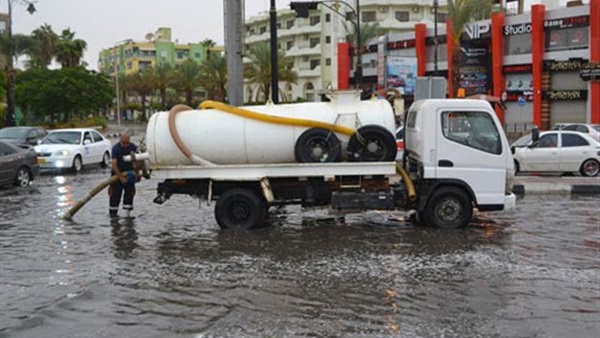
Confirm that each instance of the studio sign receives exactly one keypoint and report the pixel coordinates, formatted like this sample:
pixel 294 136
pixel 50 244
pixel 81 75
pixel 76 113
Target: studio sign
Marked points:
pixel 523 28
pixel 565 95
pixel 561 66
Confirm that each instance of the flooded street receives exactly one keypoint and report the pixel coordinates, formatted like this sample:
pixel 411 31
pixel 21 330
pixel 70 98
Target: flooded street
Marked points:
pixel 171 272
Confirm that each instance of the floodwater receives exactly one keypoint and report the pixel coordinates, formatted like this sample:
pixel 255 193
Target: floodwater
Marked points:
pixel 171 272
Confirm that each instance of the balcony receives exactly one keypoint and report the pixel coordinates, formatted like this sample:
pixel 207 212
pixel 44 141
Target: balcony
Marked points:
pixel 307 72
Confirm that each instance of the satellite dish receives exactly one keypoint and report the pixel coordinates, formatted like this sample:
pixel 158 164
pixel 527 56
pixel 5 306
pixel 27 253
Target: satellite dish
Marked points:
pixel 149 36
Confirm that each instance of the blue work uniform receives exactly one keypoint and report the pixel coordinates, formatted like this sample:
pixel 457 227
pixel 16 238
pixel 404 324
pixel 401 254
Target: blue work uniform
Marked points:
pixel 116 189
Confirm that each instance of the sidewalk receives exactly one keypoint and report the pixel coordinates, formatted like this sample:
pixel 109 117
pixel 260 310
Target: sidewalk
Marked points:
pixel 575 185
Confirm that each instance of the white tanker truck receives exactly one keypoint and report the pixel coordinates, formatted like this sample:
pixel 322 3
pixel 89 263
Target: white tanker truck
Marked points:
pixel 338 154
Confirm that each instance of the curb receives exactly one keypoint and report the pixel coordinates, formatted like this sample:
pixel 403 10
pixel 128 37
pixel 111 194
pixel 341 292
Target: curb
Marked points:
pixel 547 189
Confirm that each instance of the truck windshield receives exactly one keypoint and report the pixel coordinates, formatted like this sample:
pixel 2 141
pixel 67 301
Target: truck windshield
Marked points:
pixel 473 129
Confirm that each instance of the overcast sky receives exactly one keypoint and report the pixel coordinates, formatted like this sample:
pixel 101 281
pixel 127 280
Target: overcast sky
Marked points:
pixel 104 23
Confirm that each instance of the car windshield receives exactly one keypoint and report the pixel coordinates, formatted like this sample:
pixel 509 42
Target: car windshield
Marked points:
pixel 13 133
pixel 522 141
pixel 63 137
pixel 596 127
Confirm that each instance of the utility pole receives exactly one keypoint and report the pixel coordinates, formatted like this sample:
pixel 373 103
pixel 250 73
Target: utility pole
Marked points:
pixel 359 66
pixel 274 54
pixel 233 51
pixel 435 37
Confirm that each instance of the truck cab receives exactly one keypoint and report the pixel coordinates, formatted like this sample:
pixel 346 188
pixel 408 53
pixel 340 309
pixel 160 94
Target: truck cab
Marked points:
pixel 458 156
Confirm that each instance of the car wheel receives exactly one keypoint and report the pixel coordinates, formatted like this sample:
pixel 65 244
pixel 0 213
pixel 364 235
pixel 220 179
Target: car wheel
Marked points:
pixel 23 178
pixel 590 168
pixel 105 160
pixel 77 165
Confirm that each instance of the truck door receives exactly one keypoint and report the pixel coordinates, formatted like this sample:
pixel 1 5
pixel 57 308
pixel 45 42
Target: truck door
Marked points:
pixel 470 148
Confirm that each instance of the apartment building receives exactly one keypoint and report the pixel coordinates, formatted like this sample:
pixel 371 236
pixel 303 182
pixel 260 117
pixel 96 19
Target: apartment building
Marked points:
pixel 131 56
pixel 312 42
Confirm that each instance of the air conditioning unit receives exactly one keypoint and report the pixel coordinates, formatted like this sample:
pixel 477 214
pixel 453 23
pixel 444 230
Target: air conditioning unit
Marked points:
pixel 383 9
pixel 416 9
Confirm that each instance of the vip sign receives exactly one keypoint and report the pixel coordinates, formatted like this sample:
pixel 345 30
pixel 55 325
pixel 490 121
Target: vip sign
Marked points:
pixel 478 30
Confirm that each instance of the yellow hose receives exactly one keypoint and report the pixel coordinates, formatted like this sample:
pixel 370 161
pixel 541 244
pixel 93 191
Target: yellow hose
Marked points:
pixel 276 119
pixel 412 194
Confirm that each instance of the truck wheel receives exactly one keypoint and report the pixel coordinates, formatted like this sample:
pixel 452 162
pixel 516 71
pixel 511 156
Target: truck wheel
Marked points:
pixel 372 144
pixel 449 208
pixel 240 209
pixel 318 145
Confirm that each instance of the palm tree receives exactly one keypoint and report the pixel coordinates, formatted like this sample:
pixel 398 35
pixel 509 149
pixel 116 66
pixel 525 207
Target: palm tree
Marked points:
pixel 259 71
pixel 69 51
pixel 141 84
pixel 187 78
pixel 19 45
pixel 461 12
pixel 367 32
pixel 43 49
pixel 162 80
pixel 213 76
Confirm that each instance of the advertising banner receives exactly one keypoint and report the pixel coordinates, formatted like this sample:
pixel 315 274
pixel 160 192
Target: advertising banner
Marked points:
pixel 475 76
pixel 401 73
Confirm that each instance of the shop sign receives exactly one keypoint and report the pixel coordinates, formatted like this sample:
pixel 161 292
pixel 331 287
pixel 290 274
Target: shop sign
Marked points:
pixel 564 66
pixel 478 30
pixel 403 44
pixel 590 71
pixel 381 43
pixel 517 69
pixel 522 28
pixel 565 95
pixel 576 21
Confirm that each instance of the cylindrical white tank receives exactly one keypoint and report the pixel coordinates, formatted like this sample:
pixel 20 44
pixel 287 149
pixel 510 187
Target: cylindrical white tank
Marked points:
pixel 223 138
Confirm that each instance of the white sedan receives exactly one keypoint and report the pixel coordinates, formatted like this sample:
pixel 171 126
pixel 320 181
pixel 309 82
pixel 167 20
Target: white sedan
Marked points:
pixel 73 148
pixel 560 151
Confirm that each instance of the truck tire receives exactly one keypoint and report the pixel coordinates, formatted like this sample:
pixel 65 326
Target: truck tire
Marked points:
pixel 317 145
pixel 448 208
pixel 240 209
pixel 372 144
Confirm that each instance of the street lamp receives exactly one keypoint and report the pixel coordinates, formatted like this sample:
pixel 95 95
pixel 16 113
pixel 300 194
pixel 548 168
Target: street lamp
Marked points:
pixel 302 9
pixel 9 119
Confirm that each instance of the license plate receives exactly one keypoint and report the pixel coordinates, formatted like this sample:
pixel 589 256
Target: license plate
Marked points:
pixel 41 160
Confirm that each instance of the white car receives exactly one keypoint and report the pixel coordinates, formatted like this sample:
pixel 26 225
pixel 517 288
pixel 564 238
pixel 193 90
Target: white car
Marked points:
pixel 560 151
pixel 592 129
pixel 73 148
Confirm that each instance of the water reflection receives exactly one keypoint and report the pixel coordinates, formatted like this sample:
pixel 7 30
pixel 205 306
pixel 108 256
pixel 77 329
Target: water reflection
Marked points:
pixel 124 237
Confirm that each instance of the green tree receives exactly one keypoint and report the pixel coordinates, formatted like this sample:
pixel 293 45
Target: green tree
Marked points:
pixel 69 51
pixel 63 93
pixel 461 12
pixel 186 79
pixel 259 71
pixel 43 47
pixel 162 80
pixel 213 76
pixel 141 85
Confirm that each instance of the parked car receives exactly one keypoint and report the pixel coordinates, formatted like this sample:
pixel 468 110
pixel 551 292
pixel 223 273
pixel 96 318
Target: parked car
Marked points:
pixel 399 143
pixel 73 148
pixel 592 129
pixel 18 166
pixel 22 136
pixel 560 151
pixel 522 141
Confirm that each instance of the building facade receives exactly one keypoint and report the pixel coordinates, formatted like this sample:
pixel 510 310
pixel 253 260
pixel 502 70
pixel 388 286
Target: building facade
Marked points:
pixel 312 42
pixel 546 62
pixel 131 56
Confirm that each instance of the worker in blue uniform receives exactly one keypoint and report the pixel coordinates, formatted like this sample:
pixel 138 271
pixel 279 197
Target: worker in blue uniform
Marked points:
pixel 125 186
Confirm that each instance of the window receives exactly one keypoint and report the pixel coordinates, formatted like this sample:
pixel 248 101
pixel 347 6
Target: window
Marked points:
pixel 197 55
pixel 97 136
pixel 314 64
pixel 328 62
pixel 547 141
pixel 315 20
pixel 472 129
pixel 289 24
pixel 129 65
pixel 180 54
pixel 5 149
pixel 570 140
pixel 328 39
pixel 442 17
pixel 402 16
pixel 314 42
pixel 327 17
pixel 252 32
pixel 289 45
pixel 370 16
pixel 577 127
pixel 87 137
pixel 263 29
